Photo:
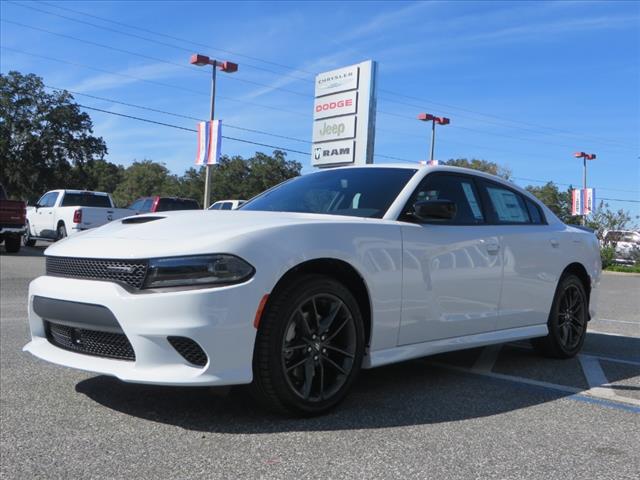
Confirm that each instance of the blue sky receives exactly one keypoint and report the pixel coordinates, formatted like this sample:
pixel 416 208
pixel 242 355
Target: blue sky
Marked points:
pixel 525 83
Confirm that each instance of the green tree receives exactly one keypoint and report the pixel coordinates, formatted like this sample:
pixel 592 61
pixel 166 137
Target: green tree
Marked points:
pixel 559 202
pixel 42 136
pixel 482 165
pixel 603 219
pixel 145 178
pixel 98 175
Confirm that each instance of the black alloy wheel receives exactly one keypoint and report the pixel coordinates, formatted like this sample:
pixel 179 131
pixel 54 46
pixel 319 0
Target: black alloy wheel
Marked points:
pixel 319 347
pixel 309 346
pixel 567 322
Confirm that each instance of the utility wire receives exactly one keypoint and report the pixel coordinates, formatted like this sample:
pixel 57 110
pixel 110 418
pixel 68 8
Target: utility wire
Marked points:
pixel 482 114
pixel 133 117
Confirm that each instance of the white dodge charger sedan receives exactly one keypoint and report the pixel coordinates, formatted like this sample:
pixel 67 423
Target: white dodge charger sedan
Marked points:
pixel 313 280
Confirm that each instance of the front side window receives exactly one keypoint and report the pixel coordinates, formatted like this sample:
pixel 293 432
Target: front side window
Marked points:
pixel 455 188
pixel 146 205
pixel 358 192
pixel 507 205
pixel 48 199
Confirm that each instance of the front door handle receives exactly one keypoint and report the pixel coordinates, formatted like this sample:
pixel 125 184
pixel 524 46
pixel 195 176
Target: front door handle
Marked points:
pixel 493 248
pixel 554 243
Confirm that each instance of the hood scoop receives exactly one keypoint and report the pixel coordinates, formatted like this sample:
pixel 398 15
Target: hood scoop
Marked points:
pixel 130 220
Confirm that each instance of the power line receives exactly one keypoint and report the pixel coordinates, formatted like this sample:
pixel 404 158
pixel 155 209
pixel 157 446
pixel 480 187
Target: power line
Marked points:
pixel 133 117
pixel 140 37
pixel 402 95
pixel 149 57
pixel 153 82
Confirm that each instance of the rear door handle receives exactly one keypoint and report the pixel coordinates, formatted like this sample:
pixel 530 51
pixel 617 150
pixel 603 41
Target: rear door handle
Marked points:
pixel 554 243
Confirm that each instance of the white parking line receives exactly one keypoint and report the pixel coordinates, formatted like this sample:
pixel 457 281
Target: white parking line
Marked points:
pixel 595 378
pixel 600 332
pixel 615 321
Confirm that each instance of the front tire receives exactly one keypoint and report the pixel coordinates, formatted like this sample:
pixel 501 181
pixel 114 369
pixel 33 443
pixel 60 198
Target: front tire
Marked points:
pixel 12 244
pixel 309 347
pixel 567 321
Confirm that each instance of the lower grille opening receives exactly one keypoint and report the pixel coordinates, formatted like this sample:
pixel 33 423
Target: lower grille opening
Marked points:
pixel 190 350
pixel 90 342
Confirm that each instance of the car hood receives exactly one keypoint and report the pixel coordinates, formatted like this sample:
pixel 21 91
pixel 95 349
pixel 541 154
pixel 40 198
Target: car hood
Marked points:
pixel 183 232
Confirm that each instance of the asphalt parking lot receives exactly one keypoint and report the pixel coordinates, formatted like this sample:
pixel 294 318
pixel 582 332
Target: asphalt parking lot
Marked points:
pixel 498 412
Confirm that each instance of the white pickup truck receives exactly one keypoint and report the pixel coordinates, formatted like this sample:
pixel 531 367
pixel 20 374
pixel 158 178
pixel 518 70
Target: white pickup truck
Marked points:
pixel 59 213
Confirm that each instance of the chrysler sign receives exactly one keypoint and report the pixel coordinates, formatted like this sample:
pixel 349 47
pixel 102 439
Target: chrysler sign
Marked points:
pixel 337 81
pixel 344 116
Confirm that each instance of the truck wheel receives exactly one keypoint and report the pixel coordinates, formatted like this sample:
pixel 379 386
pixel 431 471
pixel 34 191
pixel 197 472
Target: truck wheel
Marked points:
pixel 12 244
pixel 309 347
pixel 62 232
pixel 27 241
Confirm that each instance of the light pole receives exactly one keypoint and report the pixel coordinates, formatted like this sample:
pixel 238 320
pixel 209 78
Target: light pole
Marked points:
pixel 228 67
pixel 584 157
pixel 427 117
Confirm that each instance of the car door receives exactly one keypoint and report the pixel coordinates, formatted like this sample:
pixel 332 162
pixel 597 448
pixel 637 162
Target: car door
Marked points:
pixel 43 221
pixel 532 253
pixel 452 270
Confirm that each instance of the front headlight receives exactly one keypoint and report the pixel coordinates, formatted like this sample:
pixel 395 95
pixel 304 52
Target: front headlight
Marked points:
pixel 218 269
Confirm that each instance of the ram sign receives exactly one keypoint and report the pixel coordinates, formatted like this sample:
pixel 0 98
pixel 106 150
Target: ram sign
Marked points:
pixel 344 116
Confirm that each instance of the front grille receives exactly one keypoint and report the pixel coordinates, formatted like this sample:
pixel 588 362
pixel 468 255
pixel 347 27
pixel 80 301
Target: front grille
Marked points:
pixel 128 272
pixel 190 350
pixel 90 342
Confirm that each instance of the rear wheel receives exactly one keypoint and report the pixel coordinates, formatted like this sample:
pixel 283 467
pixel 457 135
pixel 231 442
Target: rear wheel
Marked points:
pixel 12 244
pixel 309 347
pixel 567 320
pixel 27 241
pixel 61 232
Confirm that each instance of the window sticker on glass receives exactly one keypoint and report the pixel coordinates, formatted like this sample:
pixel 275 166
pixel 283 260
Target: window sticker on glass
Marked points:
pixel 471 198
pixel 508 206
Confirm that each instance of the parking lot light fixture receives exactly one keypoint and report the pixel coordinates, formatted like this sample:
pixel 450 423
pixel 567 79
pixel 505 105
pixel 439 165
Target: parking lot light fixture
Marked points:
pixel 427 117
pixel 227 67
pixel 584 156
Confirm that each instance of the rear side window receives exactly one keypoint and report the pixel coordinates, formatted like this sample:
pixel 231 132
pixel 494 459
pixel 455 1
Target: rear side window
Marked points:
pixel 456 188
pixel 167 204
pixel 534 212
pixel 226 206
pixel 85 200
pixel 506 205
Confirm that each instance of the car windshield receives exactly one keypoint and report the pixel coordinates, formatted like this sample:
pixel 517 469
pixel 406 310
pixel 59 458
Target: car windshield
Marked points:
pixel 85 200
pixel 359 192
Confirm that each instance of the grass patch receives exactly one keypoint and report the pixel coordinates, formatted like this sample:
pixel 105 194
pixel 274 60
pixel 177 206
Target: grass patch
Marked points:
pixel 623 268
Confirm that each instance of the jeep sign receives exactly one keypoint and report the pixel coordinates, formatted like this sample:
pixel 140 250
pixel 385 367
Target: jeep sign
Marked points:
pixel 344 116
pixel 334 129
pixel 334 105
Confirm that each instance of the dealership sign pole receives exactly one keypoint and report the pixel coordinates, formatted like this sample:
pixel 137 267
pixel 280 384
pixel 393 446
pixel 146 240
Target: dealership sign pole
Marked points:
pixel 587 199
pixel 344 115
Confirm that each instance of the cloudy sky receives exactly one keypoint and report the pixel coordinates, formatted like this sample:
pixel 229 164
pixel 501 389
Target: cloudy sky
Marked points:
pixel 525 84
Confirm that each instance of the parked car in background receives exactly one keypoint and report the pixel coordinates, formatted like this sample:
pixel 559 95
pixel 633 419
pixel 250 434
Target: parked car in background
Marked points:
pixel 626 244
pixel 12 221
pixel 227 204
pixel 59 213
pixel 163 204
pixel 315 278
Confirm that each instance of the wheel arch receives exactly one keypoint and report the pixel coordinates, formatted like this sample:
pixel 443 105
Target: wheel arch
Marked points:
pixel 339 270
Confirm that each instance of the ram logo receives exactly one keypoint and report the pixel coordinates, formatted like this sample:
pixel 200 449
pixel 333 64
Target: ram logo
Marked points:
pixel 317 153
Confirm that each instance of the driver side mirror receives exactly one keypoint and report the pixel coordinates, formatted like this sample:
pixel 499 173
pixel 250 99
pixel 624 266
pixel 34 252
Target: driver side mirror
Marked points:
pixel 430 210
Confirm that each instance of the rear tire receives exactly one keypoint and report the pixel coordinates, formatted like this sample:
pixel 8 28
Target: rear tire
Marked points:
pixel 27 241
pixel 309 347
pixel 61 232
pixel 12 244
pixel 567 321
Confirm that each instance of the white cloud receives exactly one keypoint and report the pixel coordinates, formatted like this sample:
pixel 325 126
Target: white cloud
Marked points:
pixel 106 81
